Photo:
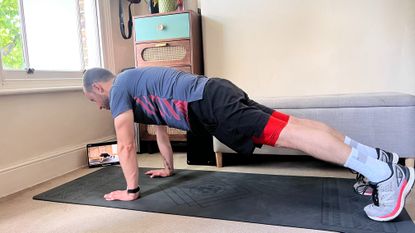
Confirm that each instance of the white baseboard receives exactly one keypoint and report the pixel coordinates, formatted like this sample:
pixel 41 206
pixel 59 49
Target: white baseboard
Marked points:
pixel 43 168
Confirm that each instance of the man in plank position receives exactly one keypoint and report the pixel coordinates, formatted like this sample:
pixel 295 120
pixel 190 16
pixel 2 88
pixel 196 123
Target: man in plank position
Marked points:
pixel 165 96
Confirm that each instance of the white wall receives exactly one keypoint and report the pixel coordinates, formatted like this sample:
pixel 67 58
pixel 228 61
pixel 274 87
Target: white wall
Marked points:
pixel 302 47
pixel 44 135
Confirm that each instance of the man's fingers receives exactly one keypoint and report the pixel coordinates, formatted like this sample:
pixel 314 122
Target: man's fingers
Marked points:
pixel 110 196
pixel 153 173
pixel 121 195
pixel 118 195
pixel 158 173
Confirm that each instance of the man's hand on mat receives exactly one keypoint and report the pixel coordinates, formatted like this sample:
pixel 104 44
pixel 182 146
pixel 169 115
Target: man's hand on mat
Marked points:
pixel 121 195
pixel 159 173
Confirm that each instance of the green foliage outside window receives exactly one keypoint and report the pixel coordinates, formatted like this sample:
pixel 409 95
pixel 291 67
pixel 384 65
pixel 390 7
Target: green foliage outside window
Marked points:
pixel 10 38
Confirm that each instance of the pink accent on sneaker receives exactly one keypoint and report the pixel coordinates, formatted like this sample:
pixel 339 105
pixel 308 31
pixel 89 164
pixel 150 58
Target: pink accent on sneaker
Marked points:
pixel 398 204
pixel 367 194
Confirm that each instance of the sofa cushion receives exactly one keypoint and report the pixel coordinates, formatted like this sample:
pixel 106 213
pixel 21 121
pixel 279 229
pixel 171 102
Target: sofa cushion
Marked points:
pixel 389 99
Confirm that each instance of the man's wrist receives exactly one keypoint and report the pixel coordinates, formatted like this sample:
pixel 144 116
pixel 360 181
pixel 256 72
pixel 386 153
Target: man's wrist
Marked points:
pixel 133 191
pixel 169 170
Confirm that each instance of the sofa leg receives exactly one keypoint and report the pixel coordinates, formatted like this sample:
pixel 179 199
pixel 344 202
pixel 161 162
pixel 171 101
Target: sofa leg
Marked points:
pixel 409 162
pixel 219 159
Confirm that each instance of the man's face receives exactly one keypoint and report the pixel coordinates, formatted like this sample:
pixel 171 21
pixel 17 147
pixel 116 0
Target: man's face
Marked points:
pixel 102 101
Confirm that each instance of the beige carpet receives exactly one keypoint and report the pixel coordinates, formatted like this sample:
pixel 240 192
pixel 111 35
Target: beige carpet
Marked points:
pixel 19 213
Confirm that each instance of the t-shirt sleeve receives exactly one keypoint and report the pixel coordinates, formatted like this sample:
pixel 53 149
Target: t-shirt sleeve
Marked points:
pixel 119 101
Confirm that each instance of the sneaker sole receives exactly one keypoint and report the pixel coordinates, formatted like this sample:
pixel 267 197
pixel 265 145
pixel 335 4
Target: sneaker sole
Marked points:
pixel 406 191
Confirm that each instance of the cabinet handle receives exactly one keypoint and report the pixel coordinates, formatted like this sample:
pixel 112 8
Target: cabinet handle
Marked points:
pixel 161 27
pixel 161 45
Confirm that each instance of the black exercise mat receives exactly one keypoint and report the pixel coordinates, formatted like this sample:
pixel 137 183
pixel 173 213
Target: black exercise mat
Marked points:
pixel 306 202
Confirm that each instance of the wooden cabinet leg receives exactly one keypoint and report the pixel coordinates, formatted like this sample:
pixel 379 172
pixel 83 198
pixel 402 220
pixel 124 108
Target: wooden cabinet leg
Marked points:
pixel 219 159
pixel 409 162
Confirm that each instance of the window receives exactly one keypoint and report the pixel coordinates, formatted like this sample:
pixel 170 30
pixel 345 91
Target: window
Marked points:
pixel 48 39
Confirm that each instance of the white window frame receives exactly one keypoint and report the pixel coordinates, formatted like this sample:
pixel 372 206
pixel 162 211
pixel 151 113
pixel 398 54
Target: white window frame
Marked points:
pixel 40 79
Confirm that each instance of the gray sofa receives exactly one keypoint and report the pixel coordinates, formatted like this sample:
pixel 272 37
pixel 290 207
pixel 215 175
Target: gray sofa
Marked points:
pixel 385 120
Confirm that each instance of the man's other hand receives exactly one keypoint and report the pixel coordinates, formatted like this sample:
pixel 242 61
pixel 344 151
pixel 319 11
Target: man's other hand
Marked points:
pixel 121 195
pixel 159 173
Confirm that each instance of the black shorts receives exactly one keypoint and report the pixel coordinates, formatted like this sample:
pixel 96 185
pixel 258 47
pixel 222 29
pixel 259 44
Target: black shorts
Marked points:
pixel 227 113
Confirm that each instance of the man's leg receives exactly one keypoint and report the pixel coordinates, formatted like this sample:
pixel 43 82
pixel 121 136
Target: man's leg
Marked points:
pixel 305 122
pixel 362 185
pixel 392 182
pixel 376 153
pixel 322 127
pixel 323 144
pixel 324 131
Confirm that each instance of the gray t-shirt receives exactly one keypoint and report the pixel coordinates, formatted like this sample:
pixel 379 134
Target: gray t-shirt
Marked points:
pixel 157 95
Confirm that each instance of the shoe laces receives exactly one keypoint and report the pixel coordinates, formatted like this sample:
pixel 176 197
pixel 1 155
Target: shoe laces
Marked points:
pixel 382 197
pixel 360 178
pixel 363 184
pixel 375 196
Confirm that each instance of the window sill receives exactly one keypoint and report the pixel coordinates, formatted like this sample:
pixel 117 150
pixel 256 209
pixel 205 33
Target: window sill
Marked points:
pixel 30 86
pixel 41 90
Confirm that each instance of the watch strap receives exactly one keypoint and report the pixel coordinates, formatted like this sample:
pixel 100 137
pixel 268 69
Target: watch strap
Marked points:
pixel 136 190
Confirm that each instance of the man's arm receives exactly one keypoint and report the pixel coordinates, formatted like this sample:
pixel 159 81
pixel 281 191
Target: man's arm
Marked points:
pixel 166 152
pixel 124 128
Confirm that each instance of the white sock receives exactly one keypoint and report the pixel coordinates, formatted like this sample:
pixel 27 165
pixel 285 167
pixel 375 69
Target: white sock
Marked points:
pixel 374 170
pixel 363 149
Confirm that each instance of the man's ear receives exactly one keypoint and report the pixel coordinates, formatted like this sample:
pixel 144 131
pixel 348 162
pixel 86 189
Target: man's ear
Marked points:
pixel 97 87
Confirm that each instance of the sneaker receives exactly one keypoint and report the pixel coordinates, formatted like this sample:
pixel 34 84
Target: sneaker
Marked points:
pixel 388 157
pixel 362 185
pixel 389 195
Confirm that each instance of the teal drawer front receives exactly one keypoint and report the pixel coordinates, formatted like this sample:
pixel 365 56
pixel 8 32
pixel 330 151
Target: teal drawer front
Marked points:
pixel 162 27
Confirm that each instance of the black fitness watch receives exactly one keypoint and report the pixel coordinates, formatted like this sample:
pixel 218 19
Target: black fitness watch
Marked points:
pixel 136 190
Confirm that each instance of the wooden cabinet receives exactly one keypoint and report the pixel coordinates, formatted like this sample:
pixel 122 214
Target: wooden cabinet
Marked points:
pixel 172 53
pixel 170 39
